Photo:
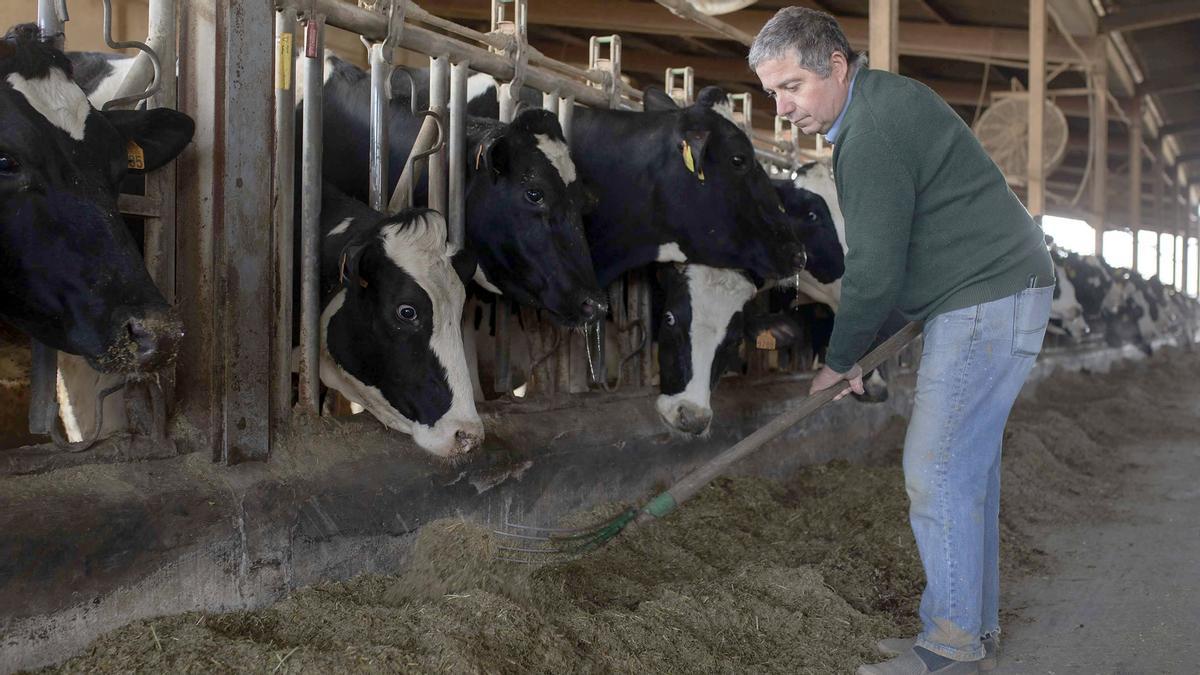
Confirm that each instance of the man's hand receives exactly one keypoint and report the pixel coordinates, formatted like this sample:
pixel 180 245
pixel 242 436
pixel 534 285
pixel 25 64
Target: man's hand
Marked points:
pixel 827 378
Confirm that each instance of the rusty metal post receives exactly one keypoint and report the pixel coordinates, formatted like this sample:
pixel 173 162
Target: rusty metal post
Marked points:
pixel 242 204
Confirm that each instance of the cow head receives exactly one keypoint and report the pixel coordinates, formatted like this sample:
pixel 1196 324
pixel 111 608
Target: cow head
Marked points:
pixel 700 326
pixel 391 335
pixel 720 206
pixel 812 223
pixel 524 220
pixel 1066 314
pixel 74 278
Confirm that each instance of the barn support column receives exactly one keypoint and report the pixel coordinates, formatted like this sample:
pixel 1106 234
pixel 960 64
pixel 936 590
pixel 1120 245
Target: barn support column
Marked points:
pixel 1135 173
pixel 1099 138
pixel 883 42
pixel 224 269
pixel 1035 172
pixel 1160 188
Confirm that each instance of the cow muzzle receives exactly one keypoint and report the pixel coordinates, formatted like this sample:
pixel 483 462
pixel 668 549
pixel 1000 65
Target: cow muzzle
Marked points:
pixel 684 416
pixel 145 342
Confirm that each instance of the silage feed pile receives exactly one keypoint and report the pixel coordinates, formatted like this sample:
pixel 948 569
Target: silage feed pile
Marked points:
pixel 751 576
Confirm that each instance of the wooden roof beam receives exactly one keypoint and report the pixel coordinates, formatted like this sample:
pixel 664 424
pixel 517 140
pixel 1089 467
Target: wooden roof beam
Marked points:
pixel 916 38
pixel 1181 127
pixel 1170 83
pixel 1150 16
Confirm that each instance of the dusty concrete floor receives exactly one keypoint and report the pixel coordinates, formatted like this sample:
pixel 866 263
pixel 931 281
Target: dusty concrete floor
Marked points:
pixel 1123 595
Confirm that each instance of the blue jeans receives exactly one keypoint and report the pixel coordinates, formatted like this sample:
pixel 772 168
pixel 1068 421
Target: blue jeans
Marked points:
pixel 972 368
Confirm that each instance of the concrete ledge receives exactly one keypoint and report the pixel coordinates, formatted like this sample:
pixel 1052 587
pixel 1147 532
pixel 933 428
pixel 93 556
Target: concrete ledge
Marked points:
pixel 86 549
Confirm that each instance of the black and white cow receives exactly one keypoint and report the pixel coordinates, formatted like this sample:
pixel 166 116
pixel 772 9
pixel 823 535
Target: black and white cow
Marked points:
pixel 523 196
pixel 1066 312
pixel 392 296
pixel 702 320
pixel 74 278
pixel 673 185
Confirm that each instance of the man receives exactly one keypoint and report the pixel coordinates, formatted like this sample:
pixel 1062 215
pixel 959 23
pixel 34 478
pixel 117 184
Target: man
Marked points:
pixel 933 230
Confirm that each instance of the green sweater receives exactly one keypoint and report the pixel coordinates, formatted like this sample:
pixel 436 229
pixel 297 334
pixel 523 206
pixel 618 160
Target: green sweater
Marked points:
pixel 931 224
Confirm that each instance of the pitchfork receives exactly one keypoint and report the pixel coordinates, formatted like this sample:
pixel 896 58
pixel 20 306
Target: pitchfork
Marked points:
pixel 540 545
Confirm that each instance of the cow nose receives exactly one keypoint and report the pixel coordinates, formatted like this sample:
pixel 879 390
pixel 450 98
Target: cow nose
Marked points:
pixel 692 420
pixel 154 338
pixel 466 441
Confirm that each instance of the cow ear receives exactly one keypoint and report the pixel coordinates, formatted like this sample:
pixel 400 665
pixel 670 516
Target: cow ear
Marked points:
pixel 778 329
pixel 711 96
pixel 350 273
pixel 155 136
pixel 464 264
pixel 655 99
pixel 538 121
pixel 692 145
pixel 491 157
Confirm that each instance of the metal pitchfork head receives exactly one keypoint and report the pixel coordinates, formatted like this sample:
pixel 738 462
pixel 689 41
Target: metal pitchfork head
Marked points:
pixel 544 545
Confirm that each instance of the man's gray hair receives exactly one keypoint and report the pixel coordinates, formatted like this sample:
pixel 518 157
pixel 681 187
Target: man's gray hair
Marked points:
pixel 813 34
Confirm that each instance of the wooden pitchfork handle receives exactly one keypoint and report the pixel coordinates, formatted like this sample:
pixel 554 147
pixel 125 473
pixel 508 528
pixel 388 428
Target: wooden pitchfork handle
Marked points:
pixel 689 485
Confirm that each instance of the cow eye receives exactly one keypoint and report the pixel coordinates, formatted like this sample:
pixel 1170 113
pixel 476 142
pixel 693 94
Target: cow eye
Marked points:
pixel 738 160
pixel 8 164
pixel 534 196
pixel 670 319
pixel 812 215
pixel 407 312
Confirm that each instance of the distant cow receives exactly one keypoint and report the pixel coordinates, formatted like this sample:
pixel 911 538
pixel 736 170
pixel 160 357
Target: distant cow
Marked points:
pixel 1066 312
pixel 74 278
pixel 392 297
pixel 523 196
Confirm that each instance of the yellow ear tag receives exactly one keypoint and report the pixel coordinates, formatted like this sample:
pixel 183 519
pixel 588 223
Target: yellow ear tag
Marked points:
pixel 135 156
pixel 691 163
pixel 765 340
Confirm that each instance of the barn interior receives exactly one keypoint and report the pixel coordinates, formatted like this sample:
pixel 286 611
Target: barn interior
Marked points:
pixel 229 484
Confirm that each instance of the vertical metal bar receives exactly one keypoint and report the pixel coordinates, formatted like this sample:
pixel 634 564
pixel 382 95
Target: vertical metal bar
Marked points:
pixel 566 116
pixel 503 383
pixel 245 147
pixel 161 235
pixel 439 85
pixel 381 72
pixel 1099 131
pixel 647 364
pixel 283 218
pixel 196 297
pixel 550 102
pixel 310 213
pixel 50 22
pixel 456 208
pixel 43 376
pixel 1035 167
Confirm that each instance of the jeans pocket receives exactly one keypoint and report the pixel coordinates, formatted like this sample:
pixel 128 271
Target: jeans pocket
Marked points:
pixel 1031 315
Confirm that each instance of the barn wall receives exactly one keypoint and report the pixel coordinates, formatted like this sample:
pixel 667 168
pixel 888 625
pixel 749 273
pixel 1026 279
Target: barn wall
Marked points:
pixel 86 549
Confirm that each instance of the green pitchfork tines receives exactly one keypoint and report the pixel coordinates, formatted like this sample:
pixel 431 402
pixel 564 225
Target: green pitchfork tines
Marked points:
pixel 537 545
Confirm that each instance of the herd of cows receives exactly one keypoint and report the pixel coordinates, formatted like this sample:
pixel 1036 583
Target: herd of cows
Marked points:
pixel 550 222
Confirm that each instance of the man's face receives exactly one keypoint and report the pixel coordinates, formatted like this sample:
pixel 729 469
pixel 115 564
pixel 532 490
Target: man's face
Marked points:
pixel 809 101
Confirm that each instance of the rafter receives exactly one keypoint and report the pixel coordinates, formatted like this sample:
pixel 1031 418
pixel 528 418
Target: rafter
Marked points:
pixel 916 38
pixel 1150 16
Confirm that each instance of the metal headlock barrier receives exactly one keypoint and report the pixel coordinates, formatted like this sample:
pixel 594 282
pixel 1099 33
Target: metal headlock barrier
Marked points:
pixel 559 357
pixel 146 83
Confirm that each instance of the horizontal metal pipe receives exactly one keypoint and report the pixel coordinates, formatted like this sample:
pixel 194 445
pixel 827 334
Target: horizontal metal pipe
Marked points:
pixel 374 27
